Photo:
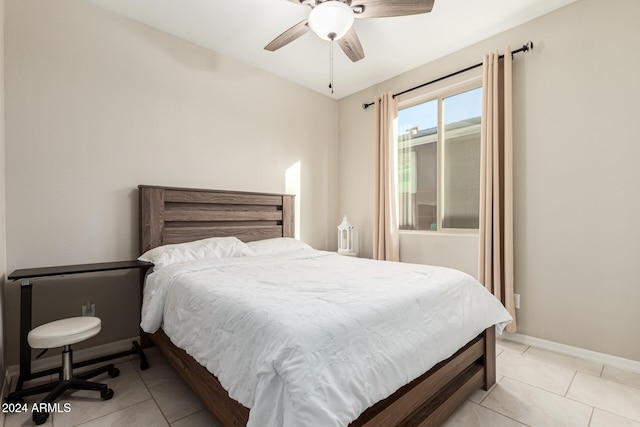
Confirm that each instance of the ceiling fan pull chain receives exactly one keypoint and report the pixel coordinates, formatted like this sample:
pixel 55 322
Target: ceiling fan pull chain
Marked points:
pixel 331 65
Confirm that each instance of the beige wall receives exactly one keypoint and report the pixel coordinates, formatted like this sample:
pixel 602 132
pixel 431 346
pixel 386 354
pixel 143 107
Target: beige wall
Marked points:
pixel 97 104
pixel 576 174
pixel 3 235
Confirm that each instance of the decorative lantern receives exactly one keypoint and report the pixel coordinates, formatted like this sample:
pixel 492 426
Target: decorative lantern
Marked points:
pixel 345 237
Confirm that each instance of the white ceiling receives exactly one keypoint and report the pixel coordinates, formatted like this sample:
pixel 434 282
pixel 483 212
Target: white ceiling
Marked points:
pixel 392 46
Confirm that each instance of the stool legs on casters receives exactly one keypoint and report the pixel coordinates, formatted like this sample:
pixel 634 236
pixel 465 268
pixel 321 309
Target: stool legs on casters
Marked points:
pixel 70 382
pixel 67 382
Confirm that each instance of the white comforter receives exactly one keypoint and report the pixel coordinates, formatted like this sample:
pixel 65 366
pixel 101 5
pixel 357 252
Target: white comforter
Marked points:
pixel 312 338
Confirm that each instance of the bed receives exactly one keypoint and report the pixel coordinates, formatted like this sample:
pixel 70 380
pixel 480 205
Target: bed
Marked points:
pixel 170 216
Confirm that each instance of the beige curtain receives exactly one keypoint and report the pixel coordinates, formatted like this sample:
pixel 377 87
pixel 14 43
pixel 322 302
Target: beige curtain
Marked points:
pixel 386 240
pixel 496 182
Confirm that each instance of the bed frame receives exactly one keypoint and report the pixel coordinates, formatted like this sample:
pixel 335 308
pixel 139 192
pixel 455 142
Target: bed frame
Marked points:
pixel 175 215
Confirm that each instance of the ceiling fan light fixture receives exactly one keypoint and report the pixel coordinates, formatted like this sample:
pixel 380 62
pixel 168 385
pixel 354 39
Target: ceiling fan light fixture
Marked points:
pixel 331 19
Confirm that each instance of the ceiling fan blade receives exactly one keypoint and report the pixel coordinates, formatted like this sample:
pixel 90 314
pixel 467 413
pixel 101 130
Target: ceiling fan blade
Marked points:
pixel 288 36
pixel 388 8
pixel 350 44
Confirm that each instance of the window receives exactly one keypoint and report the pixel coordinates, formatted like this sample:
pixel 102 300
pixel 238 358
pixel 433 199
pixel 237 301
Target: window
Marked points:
pixel 439 162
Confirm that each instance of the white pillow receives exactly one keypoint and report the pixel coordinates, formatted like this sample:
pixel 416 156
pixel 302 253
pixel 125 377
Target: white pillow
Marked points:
pixel 277 245
pixel 214 247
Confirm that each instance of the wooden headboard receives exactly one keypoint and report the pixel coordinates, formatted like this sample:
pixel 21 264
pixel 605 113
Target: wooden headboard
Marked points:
pixel 177 215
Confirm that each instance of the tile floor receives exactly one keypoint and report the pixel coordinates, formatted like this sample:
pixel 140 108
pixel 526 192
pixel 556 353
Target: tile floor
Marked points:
pixel 535 388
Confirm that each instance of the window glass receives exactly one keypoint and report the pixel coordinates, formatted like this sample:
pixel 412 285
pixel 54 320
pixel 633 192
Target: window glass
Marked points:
pixel 461 159
pixel 439 162
pixel 417 166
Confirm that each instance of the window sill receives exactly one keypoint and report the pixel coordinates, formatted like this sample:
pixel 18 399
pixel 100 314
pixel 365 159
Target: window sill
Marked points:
pixel 447 233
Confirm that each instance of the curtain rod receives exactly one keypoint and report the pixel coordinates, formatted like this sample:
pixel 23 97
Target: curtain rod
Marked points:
pixel 526 47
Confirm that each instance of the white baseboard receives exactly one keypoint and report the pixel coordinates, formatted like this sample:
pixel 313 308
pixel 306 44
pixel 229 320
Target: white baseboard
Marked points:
pixel 78 355
pixel 594 356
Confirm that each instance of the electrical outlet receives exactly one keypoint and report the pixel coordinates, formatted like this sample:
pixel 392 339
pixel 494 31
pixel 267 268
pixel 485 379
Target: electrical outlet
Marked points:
pixel 516 301
pixel 89 309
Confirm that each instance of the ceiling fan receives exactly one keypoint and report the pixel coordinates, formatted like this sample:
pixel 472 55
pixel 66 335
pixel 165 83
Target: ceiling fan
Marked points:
pixel 333 20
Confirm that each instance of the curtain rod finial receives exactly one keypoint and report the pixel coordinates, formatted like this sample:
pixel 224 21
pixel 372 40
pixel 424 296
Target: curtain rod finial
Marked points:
pixel 528 46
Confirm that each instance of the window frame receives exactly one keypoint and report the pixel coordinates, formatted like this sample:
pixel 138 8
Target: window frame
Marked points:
pixel 439 95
